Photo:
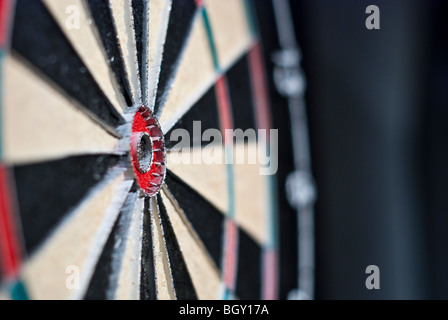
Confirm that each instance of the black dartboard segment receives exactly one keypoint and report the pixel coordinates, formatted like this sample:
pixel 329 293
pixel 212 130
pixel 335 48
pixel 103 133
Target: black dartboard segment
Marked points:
pixel 38 39
pixel 47 191
pixel 147 276
pixel 240 92
pixel 203 216
pixel 179 27
pixel 205 111
pixel 248 285
pixel 102 16
pixel 181 278
pixel 139 13
pixel 104 281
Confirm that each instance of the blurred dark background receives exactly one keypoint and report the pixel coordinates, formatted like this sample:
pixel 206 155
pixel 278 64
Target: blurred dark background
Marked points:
pixel 378 114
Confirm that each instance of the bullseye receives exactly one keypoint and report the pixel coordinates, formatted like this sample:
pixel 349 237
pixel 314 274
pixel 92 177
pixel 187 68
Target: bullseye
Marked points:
pixel 148 151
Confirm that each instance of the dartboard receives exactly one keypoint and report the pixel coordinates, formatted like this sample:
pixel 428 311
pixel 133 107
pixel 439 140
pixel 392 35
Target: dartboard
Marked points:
pixel 118 177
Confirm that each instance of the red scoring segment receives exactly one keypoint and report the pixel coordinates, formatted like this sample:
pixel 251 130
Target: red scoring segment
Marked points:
pixel 9 242
pixel 5 7
pixel 150 176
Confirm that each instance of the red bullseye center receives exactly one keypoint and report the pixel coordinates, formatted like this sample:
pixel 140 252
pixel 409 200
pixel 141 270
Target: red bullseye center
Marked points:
pixel 147 151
